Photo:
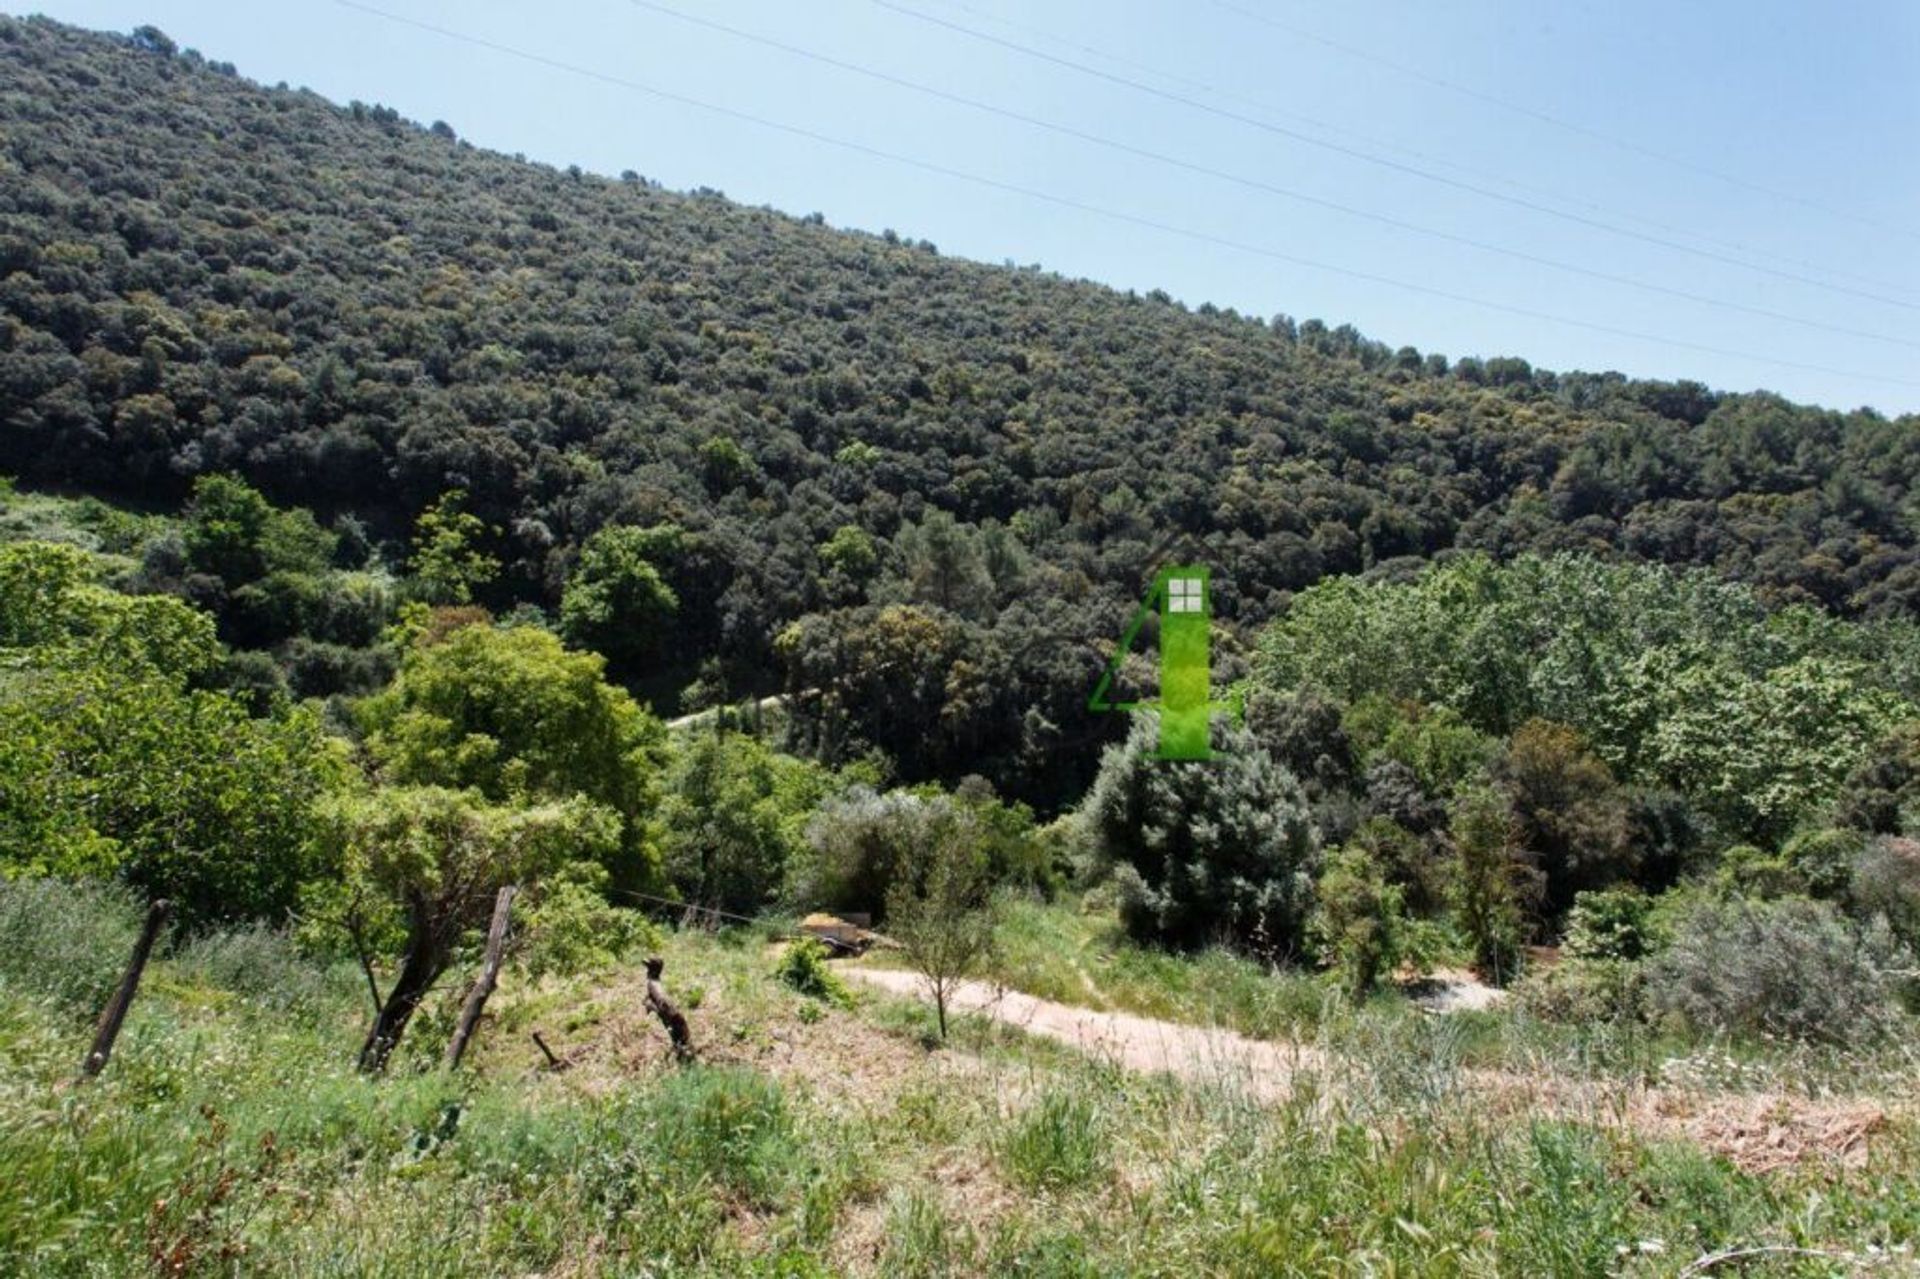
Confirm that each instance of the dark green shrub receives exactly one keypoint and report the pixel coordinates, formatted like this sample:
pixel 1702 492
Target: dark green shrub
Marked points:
pixel 1202 852
pixel 1794 968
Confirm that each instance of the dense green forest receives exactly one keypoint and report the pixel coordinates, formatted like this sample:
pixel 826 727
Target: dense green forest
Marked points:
pixel 860 445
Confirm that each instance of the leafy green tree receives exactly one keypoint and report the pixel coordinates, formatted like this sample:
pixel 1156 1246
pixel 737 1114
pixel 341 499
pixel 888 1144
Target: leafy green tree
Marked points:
pixel 235 534
pixel 1570 818
pixel 226 531
pixel 617 603
pixel 112 764
pixel 1359 919
pixel 733 818
pixel 438 856
pixel 1491 889
pixel 518 717
pixel 850 558
pixel 55 612
pixel 1204 852
pixel 448 564
pixel 941 563
pixel 1442 749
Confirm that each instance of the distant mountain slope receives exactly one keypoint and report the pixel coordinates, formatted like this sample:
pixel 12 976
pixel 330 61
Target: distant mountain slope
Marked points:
pixel 199 274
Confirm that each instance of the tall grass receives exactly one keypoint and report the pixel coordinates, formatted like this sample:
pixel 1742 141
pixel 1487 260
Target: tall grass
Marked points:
pixel 1060 1142
pixel 232 1136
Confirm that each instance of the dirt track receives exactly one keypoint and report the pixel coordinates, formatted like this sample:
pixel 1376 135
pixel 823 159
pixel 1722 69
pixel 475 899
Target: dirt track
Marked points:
pixel 1758 1131
pixel 1142 1044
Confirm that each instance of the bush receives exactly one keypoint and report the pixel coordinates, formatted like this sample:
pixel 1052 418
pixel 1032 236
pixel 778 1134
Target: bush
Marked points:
pixel 862 842
pixel 572 928
pixel 1746 871
pixel 1823 860
pixel 804 967
pixel 1885 884
pixel 66 941
pixel 1794 968
pixel 1360 922
pixel 1612 924
pixel 1579 991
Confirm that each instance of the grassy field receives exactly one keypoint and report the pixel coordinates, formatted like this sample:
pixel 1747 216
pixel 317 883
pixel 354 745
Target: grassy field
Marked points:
pixel 231 1135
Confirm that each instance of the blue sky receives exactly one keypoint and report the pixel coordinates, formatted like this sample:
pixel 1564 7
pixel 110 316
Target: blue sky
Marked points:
pixel 1817 104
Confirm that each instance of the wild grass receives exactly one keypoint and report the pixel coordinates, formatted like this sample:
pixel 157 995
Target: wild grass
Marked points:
pixel 231 1135
pixel 1059 1142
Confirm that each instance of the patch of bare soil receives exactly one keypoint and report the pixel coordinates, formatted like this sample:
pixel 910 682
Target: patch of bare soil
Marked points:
pixel 1757 1132
pixel 1453 990
pixel 837 1056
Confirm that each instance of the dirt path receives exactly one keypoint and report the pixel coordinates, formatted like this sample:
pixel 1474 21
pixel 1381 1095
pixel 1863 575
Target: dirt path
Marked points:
pixel 1262 1068
pixel 1758 1131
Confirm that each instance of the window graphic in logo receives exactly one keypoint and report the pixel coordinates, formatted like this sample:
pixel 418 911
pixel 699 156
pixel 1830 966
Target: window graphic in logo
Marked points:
pixel 1183 597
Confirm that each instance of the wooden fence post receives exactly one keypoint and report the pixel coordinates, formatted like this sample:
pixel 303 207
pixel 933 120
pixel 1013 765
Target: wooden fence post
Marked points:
pixel 553 1062
pixel 489 975
pixel 115 1012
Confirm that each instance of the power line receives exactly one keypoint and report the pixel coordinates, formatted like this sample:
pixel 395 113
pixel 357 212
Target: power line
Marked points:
pixel 1315 122
pixel 1557 122
pixel 996 184
pixel 1256 183
pixel 1381 161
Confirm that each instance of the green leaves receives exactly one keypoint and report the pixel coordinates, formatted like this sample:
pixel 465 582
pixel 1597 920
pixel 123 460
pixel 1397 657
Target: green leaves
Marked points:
pixel 447 564
pixel 514 715
pixel 1677 680
pixel 617 603
pixel 112 763
pixel 455 848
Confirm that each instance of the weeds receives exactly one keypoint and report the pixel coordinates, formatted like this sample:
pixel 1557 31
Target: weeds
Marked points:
pixel 231 1137
pixel 804 967
pixel 1058 1143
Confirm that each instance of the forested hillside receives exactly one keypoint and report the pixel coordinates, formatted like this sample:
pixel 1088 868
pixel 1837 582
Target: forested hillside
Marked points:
pixel 861 449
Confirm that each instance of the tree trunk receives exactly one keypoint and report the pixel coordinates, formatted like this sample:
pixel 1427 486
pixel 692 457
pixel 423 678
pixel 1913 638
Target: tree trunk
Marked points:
pixel 424 962
pixel 115 1012
pixel 483 984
